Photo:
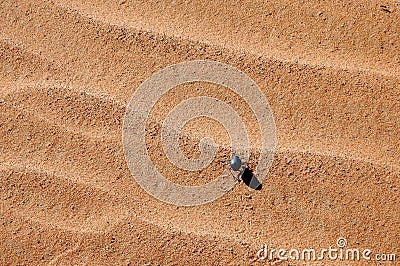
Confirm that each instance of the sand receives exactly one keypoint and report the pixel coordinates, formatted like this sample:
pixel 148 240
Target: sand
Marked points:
pixel 329 70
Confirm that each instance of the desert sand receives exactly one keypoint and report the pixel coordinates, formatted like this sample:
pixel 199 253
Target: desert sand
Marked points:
pixel 329 70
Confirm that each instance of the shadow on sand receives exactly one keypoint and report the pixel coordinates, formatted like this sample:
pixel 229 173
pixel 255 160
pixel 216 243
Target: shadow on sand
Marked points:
pixel 251 180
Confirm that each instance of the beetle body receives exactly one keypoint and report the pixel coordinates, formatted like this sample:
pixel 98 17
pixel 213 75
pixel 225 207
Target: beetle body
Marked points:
pixel 236 165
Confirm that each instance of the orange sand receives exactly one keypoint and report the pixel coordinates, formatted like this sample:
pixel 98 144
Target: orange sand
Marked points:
pixel 329 69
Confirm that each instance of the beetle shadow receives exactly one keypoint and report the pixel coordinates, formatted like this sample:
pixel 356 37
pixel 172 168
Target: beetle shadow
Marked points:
pixel 251 180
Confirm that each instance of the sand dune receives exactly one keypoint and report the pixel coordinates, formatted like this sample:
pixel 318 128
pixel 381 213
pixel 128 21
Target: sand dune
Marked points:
pixel 329 70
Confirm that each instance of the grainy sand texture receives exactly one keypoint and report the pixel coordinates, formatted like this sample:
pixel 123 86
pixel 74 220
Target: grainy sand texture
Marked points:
pixel 330 71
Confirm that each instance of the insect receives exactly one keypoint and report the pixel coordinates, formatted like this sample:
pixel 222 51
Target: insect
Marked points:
pixel 237 165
